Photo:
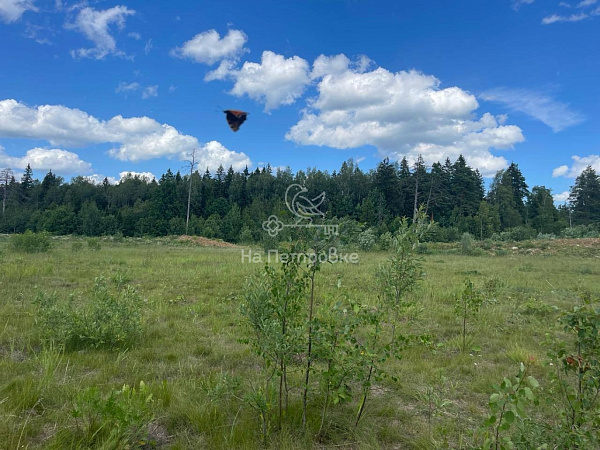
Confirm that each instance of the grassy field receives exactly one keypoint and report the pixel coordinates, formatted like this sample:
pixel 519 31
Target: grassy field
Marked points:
pixel 195 371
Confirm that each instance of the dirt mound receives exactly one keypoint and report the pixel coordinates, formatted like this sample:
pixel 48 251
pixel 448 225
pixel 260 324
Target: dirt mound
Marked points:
pixel 583 242
pixel 205 242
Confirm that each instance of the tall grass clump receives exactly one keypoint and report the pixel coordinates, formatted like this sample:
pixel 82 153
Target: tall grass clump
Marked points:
pixel 108 319
pixel 30 242
pixel 117 420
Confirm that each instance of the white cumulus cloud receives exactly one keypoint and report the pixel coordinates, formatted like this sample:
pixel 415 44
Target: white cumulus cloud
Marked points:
pixel 578 166
pixel 586 3
pixel 401 114
pixel 275 81
pixel 209 48
pixel 96 178
pixel 552 113
pixel 150 91
pixel 554 18
pixel 12 10
pixel 127 87
pixel 146 176
pixel 213 154
pixel 562 197
pixel 516 4
pixel 95 25
pixel 135 138
pixel 59 161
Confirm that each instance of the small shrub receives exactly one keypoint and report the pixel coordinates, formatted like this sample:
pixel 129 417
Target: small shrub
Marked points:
pixel 246 236
pixel 507 405
pixel 94 244
pixel 118 420
pixel 30 242
pixel 487 244
pixel 535 307
pixel 466 304
pixel 544 236
pixel 581 231
pixel 521 233
pixel 422 249
pixel 491 289
pixel 576 380
pixel 76 247
pixel 385 240
pixel 466 243
pixel 366 240
pixel 106 320
pixel 450 234
pixel 118 237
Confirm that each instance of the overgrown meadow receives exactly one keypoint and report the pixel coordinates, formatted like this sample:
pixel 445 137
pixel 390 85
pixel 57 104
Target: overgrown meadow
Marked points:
pixel 161 343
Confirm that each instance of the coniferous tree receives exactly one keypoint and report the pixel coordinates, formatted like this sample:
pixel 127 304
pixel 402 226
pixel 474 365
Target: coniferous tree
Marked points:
pixel 466 189
pixel 519 189
pixel 543 215
pixel 584 199
pixel 386 182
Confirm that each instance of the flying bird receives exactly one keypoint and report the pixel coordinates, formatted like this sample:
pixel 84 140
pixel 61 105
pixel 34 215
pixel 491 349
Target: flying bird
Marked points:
pixel 235 118
pixel 301 206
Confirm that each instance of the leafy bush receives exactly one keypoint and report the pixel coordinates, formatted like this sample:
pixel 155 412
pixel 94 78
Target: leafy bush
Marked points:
pixel 422 249
pixel 30 242
pixel 246 236
pixel 546 236
pixel 366 240
pixel 94 244
pixel 466 243
pixel 507 405
pixel 76 247
pixel 515 234
pixel 118 420
pixel 535 307
pixel 582 231
pixel 385 240
pixel 576 381
pixel 106 320
pixel 441 234
pixel 521 233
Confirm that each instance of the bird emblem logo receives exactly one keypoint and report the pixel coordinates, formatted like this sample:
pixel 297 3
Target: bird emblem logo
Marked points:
pixel 300 205
pixel 304 209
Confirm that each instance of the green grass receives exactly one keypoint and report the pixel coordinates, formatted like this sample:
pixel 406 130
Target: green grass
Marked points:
pixel 191 359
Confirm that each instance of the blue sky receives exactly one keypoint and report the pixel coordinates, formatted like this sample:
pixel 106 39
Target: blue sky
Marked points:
pixel 101 88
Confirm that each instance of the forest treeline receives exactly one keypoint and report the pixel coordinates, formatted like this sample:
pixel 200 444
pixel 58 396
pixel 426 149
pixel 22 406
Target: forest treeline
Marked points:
pixel 233 205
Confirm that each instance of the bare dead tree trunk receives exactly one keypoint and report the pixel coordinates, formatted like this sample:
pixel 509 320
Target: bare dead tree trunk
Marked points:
pixel 415 206
pixel 5 175
pixel 192 164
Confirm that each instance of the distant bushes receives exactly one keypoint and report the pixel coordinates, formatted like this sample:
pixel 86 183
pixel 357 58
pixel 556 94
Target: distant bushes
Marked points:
pixel 30 242
pixel 582 231
pixel 515 234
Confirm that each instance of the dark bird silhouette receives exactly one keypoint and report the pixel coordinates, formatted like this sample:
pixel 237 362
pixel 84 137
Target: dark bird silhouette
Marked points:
pixel 235 118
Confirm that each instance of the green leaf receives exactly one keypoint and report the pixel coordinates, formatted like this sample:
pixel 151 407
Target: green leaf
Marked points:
pixel 533 382
pixel 494 398
pixel 490 421
pixel 528 393
pixel 509 417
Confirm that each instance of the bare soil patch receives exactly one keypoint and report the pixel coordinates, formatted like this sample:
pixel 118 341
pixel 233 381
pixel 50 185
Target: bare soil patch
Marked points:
pixel 206 242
